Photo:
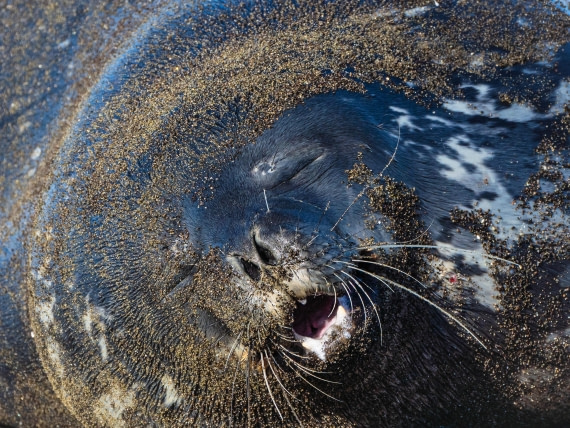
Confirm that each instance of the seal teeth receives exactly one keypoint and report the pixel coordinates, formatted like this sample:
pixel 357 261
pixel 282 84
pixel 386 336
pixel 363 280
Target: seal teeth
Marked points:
pixel 303 302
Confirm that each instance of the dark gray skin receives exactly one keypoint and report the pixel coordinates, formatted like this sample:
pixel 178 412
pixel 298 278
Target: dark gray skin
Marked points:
pixel 295 164
pixel 195 213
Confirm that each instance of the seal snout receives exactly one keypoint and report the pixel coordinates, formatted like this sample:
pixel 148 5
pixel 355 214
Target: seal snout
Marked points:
pixel 295 283
pixel 263 254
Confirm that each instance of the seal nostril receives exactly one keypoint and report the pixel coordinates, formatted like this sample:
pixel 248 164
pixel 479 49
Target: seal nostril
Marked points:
pixel 251 269
pixel 265 254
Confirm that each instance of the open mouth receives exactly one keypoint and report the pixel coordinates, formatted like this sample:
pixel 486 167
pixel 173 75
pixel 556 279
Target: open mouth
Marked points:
pixel 314 315
pixel 321 320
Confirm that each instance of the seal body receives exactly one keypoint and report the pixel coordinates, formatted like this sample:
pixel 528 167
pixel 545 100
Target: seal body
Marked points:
pixel 268 214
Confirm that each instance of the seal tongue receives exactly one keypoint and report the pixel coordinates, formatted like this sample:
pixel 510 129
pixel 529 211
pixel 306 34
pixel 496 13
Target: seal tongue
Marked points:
pixel 314 317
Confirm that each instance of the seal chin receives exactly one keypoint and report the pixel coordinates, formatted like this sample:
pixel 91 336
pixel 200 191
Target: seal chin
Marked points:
pixel 321 322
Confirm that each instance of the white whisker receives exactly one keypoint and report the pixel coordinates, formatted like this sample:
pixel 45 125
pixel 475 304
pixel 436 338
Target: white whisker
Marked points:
pixel 360 297
pixel 393 153
pixel 298 363
pixel 309 383
pixel 291 352
pixel 368 273
pixel 392 268
pixel 354 267
pixel 247 379
pixel 233 389
pixel 350 206
pixel 316 230
pixel 335 301
pixel 285 338
pixel 369 299
pixel 269 387
pixel 283 387
pixel 311 372
pixel 347 291
pixel 440 248
pixel 266 203
pixel 232 350
pixel 268 354
pixel 429 302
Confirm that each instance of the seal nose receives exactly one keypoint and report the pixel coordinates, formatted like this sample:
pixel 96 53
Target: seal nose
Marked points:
pixel 263 255
pixel 251 269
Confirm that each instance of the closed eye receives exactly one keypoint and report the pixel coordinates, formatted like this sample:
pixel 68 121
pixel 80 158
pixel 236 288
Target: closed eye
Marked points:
pixel 279 170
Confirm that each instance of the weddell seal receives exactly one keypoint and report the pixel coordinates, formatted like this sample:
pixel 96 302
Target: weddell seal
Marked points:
pixel 293 213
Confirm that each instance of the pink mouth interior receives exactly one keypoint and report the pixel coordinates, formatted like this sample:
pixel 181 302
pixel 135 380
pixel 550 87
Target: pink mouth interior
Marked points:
pixel 314 318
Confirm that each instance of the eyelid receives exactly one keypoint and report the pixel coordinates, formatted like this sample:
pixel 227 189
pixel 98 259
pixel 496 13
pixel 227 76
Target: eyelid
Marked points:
pixel 278 174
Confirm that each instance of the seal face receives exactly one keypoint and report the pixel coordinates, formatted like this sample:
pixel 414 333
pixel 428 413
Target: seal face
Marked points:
pixel 291 230
pixel 242 227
